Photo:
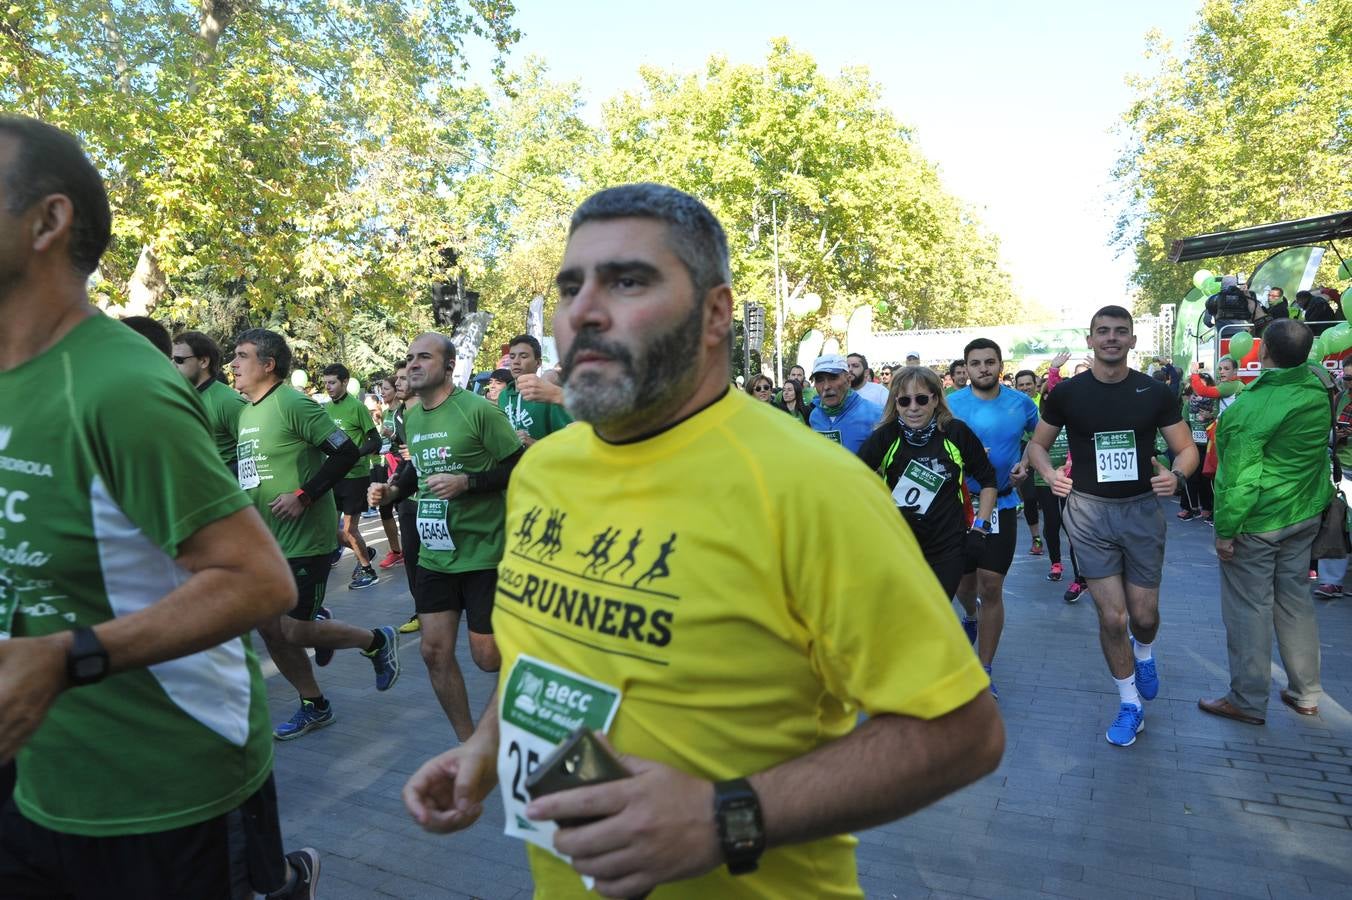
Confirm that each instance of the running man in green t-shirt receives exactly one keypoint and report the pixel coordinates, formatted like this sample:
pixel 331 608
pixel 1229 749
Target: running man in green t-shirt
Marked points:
pixel 463 450
pixel 290 456
pixel 199 359
pixel 533 406
pixel 352 417
pixel 128 685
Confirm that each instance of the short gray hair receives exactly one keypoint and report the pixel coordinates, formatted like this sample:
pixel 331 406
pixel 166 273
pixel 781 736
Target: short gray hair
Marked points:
pixel 694 233
pixel 269 345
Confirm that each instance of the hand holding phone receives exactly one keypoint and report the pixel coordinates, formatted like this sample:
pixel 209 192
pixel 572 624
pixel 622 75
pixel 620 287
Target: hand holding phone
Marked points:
pixel 579 761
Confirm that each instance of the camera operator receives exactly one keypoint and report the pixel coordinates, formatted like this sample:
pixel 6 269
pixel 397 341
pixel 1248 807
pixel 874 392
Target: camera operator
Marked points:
pixel 1234 305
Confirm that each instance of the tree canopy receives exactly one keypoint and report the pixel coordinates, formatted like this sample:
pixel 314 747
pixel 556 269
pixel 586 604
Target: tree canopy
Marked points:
pixel 1251 123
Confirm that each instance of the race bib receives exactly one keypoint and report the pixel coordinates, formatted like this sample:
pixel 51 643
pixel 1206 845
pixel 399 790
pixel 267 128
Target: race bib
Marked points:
pixel 541 705
pixel 994 520
pixel 831 436
pixel 1199 435
pixel 1115 456
pixel 917 487
pixel 248 467
pixel 9 602
pixel 433 531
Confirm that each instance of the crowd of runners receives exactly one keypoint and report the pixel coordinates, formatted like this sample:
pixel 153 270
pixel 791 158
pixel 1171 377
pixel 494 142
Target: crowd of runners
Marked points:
pixel 628 538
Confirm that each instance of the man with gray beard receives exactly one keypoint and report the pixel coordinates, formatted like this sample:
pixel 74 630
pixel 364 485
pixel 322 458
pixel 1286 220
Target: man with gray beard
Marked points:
pixel 663 556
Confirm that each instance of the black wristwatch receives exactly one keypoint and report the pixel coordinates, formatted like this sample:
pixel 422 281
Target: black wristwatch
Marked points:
pixel 741 830
pixel 87 661
pixel 1179 475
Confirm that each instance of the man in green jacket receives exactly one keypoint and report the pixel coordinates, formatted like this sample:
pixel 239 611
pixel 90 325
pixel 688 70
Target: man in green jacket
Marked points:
pixel 1272 485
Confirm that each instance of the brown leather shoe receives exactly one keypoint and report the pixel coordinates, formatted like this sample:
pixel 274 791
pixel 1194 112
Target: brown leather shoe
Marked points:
pixel 1227 710
pixel 1290 701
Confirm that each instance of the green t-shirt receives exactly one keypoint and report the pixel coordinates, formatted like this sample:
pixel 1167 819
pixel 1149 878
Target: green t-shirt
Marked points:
pixel 279 441
pixel 535 417
pixel 464 434
pixel 1059 451
pixel 223 405
pixel 354 420
pixel 96 506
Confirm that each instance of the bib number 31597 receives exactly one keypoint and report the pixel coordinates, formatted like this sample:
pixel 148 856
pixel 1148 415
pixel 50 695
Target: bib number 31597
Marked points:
pixel 1115 456
pixel 541 705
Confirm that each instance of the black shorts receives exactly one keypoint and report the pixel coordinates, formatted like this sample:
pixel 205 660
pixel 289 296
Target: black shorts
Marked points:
pixel 226 858
pixel 468 592
pixel 312 577
pixel 379 475
pixel 350 495
pixel 999 555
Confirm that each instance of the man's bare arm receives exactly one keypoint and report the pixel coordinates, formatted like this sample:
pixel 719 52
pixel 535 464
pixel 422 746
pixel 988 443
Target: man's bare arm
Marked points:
pixel 238 579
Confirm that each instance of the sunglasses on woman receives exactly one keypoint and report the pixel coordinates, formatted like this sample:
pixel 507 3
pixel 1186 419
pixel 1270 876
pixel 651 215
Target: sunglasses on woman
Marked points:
pixel 760 388
pixel 904 400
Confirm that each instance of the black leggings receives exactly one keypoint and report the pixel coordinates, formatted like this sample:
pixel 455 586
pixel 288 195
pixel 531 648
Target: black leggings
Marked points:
pixel 1052 506
pixel 1197 491
pixel 408 537
pixel 1028 494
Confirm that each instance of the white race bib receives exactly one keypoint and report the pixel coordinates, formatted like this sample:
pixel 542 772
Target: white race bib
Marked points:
pixel 917 487
pixel 541 705
pixel 1199 436
pixel 1115 456
pixel 994 520
pixel 433 531
pixel 248 467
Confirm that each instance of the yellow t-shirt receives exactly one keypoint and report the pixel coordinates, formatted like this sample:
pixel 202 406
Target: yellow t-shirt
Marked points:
pixel 729 600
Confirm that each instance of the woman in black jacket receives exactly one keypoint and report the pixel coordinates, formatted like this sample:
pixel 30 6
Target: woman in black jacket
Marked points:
pixel 925 456
pixel 791 400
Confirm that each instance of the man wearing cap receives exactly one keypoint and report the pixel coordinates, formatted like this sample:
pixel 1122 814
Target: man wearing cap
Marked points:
pixel 912 359
pixel 841 414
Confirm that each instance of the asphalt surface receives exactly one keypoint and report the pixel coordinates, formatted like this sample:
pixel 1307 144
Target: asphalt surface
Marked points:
pixel 1199 807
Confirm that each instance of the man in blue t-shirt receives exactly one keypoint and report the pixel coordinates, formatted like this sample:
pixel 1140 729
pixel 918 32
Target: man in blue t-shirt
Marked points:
pixel 1000 416
pixel 841 414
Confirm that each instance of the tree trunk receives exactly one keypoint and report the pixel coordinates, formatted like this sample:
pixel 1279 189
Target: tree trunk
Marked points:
pixel 147 286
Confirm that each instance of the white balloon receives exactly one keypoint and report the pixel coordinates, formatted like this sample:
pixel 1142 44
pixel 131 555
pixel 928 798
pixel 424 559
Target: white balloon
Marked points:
pixel 354 387
pixel 831 346
pixel 299 379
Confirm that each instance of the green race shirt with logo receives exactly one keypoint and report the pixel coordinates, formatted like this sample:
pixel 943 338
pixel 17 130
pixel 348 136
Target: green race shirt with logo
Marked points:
pixel 279 441
pixel 465 434
pixel 93 513
pixel 535 417
pixel 354 420
pixel 223 405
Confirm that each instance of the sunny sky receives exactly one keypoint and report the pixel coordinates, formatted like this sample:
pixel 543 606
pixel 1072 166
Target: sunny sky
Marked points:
pixel 1016 102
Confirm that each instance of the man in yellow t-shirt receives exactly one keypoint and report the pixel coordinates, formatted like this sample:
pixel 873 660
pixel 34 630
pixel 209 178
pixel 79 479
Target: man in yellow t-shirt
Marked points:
pixel 670 579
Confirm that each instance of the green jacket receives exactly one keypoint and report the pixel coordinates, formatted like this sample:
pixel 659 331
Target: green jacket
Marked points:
pixel 1273 459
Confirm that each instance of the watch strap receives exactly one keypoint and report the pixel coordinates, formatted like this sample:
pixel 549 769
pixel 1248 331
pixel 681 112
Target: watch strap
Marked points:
pixel 87 660
pixel 741 829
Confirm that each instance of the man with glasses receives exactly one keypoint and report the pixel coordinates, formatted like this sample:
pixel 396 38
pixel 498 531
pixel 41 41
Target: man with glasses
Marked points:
pixel 199 359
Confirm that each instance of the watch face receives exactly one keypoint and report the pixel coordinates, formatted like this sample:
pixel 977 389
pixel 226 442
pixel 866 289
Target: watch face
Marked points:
pixel 89 667
pixel 741 823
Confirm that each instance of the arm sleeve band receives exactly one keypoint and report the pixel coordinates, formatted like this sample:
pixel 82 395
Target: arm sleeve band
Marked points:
pixel 342 456
pixel 495 479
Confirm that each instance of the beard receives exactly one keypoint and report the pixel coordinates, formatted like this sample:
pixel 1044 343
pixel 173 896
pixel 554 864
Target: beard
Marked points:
pixel 660 372
pixel 857 383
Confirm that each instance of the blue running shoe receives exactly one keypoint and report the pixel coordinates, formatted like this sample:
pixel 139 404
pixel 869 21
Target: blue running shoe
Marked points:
pixel 1147 678
pixel 994 693
pixel 386 659
pixel 363 576
pixel 307 718
pixel 323 655
pixel 1130 722
pixel 335 556
pixel 969 626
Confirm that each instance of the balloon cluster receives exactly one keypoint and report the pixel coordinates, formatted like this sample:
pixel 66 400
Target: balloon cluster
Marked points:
pixel 1333 342
pixel 1206 282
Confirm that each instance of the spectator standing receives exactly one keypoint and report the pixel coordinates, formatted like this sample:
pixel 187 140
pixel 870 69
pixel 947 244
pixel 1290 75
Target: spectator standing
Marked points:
pixel 791 400
pixel 1332 572
pixel 1271 489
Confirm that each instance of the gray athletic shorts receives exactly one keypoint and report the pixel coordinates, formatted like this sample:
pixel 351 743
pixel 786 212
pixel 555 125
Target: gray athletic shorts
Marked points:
pixel 1116 537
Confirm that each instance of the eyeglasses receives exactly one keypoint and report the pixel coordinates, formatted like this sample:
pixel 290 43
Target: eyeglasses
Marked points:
pixel 904 400
pixel 180 360
pixel 761 388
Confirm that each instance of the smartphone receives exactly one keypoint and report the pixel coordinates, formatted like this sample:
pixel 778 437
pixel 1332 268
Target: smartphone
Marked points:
pixel 579 761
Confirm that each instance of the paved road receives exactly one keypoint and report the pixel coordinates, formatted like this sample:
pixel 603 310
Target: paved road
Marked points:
pixel 1198 808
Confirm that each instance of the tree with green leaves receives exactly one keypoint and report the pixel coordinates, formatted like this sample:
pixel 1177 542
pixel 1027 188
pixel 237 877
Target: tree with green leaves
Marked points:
pixel 297 154
pixel 1247 125
pixel 813 170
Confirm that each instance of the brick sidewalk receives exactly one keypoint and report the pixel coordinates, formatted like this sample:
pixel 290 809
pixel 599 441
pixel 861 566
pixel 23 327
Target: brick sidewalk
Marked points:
pixel 1199 808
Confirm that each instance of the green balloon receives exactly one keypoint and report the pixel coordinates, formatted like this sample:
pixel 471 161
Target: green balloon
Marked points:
pixel 1201 277
pixel 1345 270
pixel 1241 344
pixel 1338 343
pixel 1212 286
pixel 883 306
